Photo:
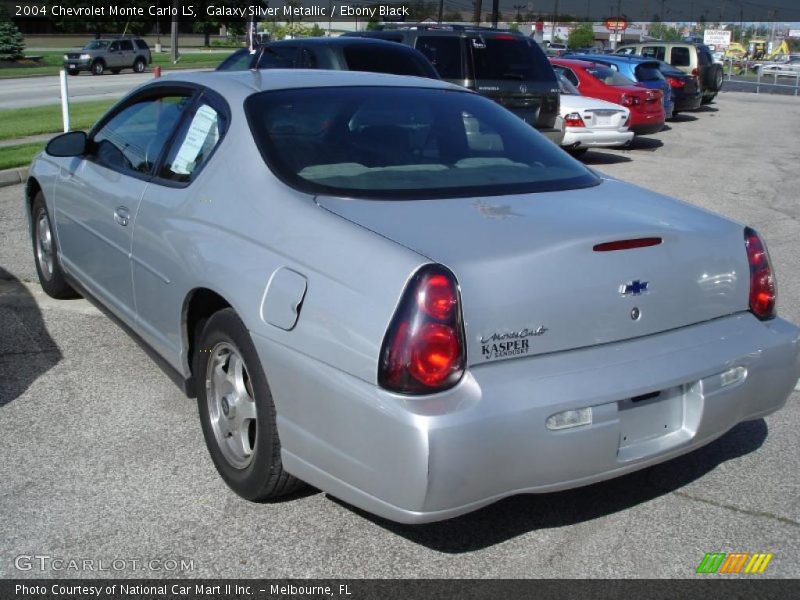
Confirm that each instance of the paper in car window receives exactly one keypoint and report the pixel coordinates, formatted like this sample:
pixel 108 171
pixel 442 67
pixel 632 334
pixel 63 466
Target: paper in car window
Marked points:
pixel 200 139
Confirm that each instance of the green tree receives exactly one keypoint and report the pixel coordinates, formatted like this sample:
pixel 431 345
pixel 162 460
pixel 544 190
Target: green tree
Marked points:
pixel 664 32
pixel 11 42
pixel 582 35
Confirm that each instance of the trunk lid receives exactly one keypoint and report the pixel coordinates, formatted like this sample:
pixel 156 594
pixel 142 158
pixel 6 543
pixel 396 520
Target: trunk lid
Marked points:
pixel 532 283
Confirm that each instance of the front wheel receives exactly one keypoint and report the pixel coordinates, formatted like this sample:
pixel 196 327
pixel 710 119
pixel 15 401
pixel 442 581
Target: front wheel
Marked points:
pixel 45 253
pixel 237 412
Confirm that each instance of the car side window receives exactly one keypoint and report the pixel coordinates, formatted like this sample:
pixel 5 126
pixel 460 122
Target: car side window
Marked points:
pixel 126 46
pixel 194 143
pixel 657 52
pixel 132 140
pixel 680 57
pixel 444 53
pixel 142 45
pixel 113 47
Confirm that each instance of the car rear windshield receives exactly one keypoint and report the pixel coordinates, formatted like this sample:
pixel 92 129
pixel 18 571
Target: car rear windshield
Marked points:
pixel 377 58
pixel 648 72
pixel 609 76
pixel 405 143
pixel 509 57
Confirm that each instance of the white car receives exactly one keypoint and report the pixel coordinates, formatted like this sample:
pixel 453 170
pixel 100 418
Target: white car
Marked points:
pixel 790 67
pixel 590 122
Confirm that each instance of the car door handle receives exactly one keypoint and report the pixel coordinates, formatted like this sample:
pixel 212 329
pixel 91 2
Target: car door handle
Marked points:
pixel 122 216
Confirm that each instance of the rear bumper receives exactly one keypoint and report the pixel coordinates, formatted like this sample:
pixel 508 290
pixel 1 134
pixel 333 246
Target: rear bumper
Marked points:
pixel 688 102
pixel 418 460
pixel 580 137
pixel 648 128
pixel 554 134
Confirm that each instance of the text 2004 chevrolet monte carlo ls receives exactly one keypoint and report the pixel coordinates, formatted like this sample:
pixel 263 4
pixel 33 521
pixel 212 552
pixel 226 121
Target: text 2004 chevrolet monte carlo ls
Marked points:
pixel 399 292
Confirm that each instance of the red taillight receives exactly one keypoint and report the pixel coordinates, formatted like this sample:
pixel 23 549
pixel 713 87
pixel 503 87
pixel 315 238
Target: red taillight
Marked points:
pixel 630 100
pixel 763 291
pixel 675 82
pixel 695 72
pixel 574 120
pixel 424 350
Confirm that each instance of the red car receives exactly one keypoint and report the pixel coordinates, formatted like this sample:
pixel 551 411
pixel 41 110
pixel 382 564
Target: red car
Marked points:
pixel 603 82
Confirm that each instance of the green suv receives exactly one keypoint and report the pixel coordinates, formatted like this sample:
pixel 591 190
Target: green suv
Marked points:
pixel 99 56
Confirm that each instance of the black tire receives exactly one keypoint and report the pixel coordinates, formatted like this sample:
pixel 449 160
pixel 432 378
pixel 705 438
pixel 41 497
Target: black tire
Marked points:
pixel 708 99
pixel 263 477
pixel 51 276
pixel 98 67
pixel 713 78
pixel 115 71
pixel 72 71
pixel 139 65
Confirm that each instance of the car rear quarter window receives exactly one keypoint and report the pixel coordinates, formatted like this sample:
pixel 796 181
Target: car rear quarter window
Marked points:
pixel 444 53
pixel 193 145
pixel 133 139
pixel 509 57
pixel 648 72
pixel 405 143
pixel 238 61
pixel 680 57
pixel 568 74
pixel 142 45
pixel 378 58
pixel 278 57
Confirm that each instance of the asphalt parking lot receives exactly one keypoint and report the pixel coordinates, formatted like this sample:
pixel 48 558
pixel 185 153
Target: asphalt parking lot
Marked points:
pixel 103 458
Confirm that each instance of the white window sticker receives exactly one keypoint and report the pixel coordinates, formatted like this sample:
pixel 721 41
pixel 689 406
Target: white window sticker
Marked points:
pixel 200 139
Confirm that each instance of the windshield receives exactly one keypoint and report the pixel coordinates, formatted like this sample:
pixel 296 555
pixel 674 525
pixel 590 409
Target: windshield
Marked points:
pixel 405 143
pixel 509 57
pixel 609 76
pixel 96 45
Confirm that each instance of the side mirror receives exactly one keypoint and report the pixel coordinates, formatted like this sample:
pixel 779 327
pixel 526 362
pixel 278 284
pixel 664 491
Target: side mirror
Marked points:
pixel 72 143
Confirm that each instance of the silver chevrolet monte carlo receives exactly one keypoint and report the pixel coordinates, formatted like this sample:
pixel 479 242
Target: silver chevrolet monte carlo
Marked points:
pixel 397 291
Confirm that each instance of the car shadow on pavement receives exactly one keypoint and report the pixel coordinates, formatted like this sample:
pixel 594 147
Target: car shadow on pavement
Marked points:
pixel 521 514
pixel 648 144
pixel 26 349
pixel 682 118
pixel 594 157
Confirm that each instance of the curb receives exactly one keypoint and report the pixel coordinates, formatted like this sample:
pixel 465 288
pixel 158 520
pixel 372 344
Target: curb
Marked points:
pixel 13 176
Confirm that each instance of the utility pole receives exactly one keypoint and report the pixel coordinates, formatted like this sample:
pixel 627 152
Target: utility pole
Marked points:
pixel 553 29
pixel 495 12
pixel 441 10
pixel 173 36
pixel 476 14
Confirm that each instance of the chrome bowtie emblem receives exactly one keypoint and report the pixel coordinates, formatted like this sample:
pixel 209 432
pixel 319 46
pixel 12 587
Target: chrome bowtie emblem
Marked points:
pixel 523 88
pixel 633 288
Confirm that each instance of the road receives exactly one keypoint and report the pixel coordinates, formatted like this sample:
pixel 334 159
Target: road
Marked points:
pixel 39 91
pixel 103 458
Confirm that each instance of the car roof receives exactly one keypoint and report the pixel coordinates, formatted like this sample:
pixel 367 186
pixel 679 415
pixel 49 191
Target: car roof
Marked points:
pixel 621 58
pixel 240 84
pixel 575 62
pixel 338 41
